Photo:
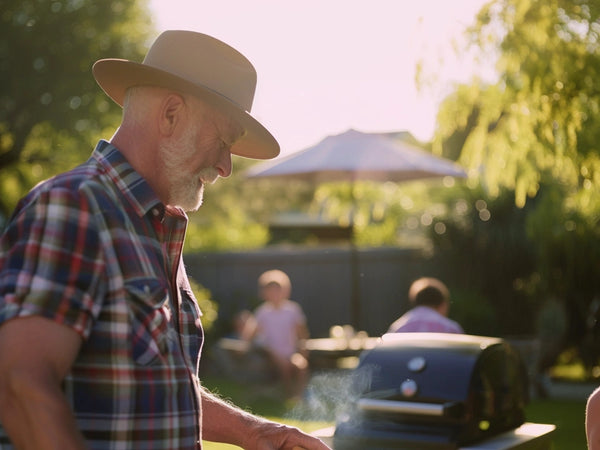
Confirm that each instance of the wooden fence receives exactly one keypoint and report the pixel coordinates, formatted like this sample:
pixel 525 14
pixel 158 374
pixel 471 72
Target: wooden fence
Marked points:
pixel 322 282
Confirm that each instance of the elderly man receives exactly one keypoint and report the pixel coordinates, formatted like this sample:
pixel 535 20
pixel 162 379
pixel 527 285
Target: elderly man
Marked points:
pixel 100 334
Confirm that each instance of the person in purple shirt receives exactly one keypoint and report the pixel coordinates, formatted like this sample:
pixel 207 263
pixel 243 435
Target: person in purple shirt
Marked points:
pixel 431 302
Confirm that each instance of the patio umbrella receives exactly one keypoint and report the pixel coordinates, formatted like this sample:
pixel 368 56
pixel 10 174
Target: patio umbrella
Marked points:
pixel 353 156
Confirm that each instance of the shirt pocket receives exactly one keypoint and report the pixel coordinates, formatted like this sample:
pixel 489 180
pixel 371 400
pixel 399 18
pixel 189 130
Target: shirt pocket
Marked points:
pixel 149 315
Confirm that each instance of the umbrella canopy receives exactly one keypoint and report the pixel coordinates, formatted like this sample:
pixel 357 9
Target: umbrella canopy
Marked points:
pixel 353 155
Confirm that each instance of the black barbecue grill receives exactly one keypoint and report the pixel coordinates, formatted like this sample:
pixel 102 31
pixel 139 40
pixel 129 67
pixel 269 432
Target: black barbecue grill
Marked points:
pixel 434 391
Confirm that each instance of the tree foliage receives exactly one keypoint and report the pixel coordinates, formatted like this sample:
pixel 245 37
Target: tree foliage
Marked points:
pixel 51 109
pixel 540 121
pixel 534 133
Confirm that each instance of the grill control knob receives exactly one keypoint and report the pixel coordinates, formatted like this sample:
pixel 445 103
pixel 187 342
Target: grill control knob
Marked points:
pixel 409 388
pixel 417 364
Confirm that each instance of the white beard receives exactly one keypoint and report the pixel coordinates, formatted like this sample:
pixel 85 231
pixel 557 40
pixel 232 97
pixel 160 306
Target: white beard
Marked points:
pixel 186 189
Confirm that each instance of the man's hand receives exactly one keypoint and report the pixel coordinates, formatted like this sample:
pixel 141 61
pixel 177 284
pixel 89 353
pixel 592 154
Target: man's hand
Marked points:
pixel 273 436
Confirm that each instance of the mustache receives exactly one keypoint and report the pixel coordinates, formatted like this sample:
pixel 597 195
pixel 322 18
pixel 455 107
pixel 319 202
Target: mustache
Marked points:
pixel 208 175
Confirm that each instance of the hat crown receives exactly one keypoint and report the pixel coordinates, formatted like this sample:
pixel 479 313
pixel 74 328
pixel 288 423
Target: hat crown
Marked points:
pixel 200 65
pixel 205 61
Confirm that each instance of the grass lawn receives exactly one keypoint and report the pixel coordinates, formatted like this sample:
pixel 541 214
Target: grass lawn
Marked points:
pixel 567 415
pixel 569 418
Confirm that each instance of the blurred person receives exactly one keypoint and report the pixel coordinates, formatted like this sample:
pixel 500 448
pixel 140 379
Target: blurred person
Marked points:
pixel 279 326
pixel 592 420
pixel 430 303
pixel 240 322
pixel 236 358
pixel 100 334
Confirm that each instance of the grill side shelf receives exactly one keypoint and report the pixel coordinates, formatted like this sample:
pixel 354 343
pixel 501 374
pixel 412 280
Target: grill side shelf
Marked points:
pixel 400 407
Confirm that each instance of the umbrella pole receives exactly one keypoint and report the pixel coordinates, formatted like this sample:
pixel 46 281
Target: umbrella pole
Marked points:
pixel 355 311
pixel 355 306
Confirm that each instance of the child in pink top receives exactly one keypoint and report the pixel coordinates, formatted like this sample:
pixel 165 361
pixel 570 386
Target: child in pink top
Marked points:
pixel 279 326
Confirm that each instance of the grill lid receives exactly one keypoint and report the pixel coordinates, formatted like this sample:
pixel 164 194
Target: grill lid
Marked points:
pixel 458 388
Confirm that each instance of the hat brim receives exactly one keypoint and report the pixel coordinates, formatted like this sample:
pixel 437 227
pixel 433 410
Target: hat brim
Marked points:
pixel 115 76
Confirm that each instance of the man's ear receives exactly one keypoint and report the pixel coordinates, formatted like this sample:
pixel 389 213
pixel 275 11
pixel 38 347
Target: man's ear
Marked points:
pixel 171 113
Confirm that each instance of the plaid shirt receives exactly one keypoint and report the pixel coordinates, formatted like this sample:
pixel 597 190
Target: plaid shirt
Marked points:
pixel 94 249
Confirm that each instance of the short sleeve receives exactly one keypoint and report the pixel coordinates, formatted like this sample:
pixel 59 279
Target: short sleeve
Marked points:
pixel 300 316
pixel 50 260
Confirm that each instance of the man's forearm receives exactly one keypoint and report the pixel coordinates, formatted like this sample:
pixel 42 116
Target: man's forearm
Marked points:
pixel 224 422
pixel 36 415
pixel 35 356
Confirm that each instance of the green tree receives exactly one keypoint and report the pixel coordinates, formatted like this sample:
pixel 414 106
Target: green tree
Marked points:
pixel 51 109
pixel 540 121
pixel 535 133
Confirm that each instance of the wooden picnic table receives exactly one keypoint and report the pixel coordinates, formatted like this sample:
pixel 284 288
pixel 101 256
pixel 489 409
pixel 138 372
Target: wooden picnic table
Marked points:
pixel 329 352
pixel 342 346
pixel 323 353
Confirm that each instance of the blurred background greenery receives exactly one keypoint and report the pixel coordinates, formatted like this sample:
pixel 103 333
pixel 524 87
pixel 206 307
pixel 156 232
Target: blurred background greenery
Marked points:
pixel 519 238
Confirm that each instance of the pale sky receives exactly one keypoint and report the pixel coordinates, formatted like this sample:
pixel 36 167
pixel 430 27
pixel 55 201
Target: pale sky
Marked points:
pixel 325 66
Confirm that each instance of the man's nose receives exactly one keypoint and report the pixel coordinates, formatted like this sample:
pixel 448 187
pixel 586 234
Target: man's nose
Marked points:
pixel 224 165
